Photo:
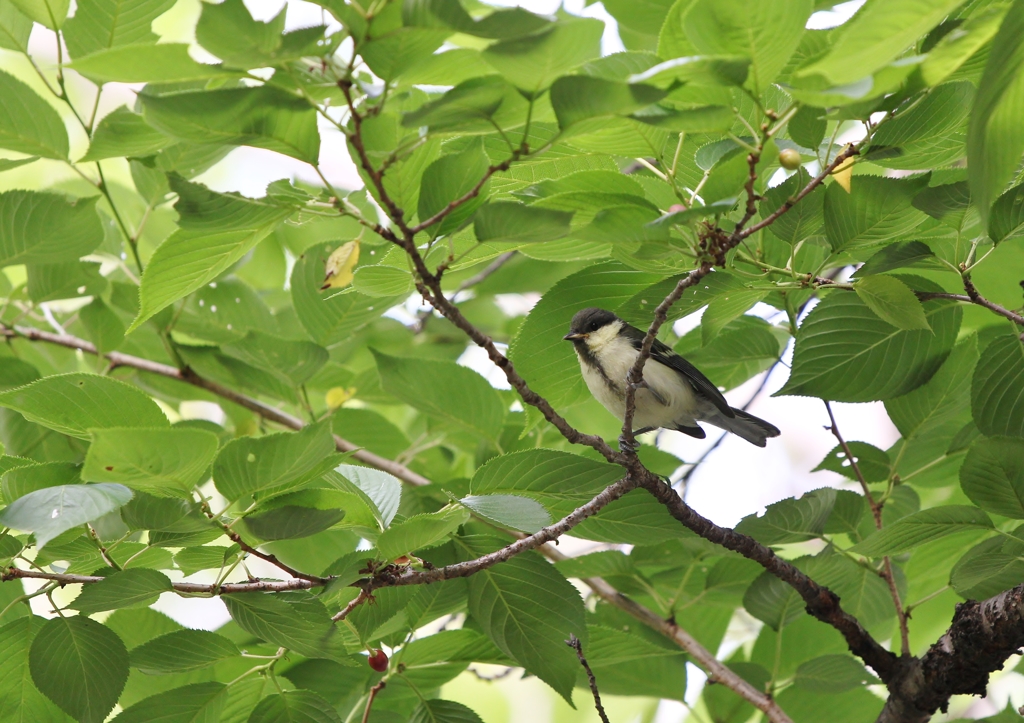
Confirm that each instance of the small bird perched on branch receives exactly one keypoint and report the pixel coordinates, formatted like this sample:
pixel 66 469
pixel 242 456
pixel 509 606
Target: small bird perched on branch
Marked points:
pixel 673 395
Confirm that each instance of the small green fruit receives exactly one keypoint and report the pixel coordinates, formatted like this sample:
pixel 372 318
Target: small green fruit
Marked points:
pixel 789 159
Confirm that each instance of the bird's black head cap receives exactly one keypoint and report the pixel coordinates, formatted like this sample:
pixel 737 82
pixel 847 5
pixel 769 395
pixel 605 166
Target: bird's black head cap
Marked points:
pixel 587 321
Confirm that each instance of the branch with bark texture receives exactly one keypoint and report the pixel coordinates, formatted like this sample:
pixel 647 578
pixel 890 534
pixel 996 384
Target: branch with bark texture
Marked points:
pixel 978 642
pixel 876 512
pixel 574 643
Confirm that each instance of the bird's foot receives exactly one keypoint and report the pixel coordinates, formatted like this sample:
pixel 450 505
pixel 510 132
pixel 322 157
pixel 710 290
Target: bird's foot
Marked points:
pixel 636 386
pixel 626 446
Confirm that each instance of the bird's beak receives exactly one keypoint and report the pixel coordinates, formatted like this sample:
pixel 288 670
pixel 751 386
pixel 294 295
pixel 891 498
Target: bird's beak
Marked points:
pixel 573 336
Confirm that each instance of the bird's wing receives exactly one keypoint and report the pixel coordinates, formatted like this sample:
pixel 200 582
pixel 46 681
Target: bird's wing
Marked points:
pixel 663 354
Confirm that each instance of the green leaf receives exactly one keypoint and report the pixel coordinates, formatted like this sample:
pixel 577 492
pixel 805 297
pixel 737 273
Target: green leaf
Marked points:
pixel 636 519
pixel 327 316
pixel 878 362
pixel 291 362
pixel 744 348
pixel 697 69
pixel 957 47
pixel 528 610
pixel 832 673
pixel 807 127
pixel 7 164
pixel 263 117
pixel 469 102
pixel 381 489
pixel 443 711
pixel 577 98
pixel 382 281
pixel 447 180
pixel 193 559
pixel 274 463
pixel 876 36
pixel 508 221
pixel 767 33
pixel 892 301
pixel 929 135
pixel 166 63
pixel 228 31
pixel 49 512
pixel 28 124
pixel 124 133
pixel 513 511
pixel 288 522
pixel 941 407
pixel 804 218
pixel 15 27
pixel 20 700
pixel 44 228
pixel 101 24
pixel 420 531
pixel 50 13
pixel 194 256
pixel 75 403
pixel 949 203
pixel 105 328
pixel 147 512
pixel 877 209
pixel 1007 218
pixel 994 138
pixel 80 665
pixel 303 624
pixel 532 63
pixel 899 255
pixel 559 480
pixel 791 520
pixel 725 308
pixel 772 601
pixel 21 479
pixel 851 706
pixel 445 391
pixel 125 589
pixel 1000 371
pixel 921 527
pixel 992 476
pixel 987 569
pixel 538 351
pixel 872 462
pixel 164 462
pixel 182 651
pixel 390 55
pixel 187 704
pixel 294 706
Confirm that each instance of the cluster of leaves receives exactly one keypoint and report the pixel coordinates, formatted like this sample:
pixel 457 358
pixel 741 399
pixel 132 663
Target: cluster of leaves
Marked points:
pixel 481 132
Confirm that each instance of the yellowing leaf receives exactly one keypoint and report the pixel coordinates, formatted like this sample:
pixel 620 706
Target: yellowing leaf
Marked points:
pixel 844 173
pixel 336 396
pixel 341 265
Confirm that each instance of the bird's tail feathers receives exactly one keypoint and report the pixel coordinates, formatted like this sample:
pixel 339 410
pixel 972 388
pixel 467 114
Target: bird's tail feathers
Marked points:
pixel 753 429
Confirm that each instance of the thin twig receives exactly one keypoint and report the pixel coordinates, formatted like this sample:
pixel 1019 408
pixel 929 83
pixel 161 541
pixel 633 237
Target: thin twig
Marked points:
pixel 13 573
pixel 472 281
pixel 369 701
pixel 701 656
pixel 876 511
pixel 574 643
pixel 353 604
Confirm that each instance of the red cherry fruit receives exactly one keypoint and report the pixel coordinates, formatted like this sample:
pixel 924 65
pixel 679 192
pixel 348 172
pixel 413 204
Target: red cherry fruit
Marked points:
pixel 378 660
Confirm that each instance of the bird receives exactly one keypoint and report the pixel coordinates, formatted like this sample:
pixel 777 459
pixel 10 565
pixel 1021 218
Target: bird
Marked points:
pixel 673 394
